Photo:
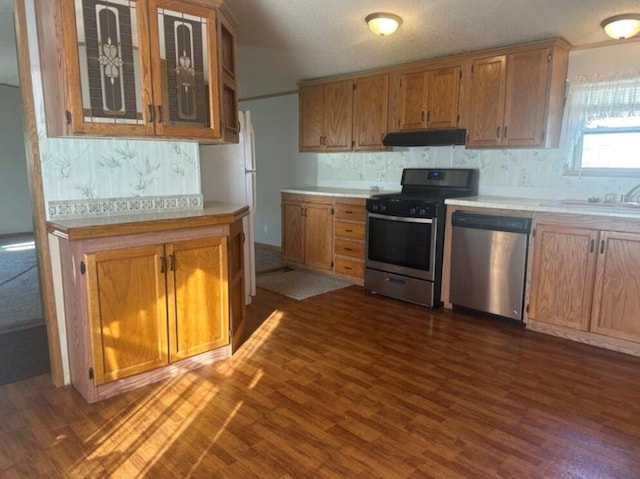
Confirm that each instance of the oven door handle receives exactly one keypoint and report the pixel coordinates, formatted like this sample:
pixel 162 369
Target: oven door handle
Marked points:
pixel 401 218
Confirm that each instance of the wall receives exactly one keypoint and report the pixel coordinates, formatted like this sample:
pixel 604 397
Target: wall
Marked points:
pixel 15 201
pixel 83 176
pixel 278 162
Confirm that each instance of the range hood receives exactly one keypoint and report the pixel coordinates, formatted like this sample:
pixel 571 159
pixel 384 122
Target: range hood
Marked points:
pixel 452 136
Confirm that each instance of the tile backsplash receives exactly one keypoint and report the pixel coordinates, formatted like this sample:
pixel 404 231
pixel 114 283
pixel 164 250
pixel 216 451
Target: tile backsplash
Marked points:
pixel 527 173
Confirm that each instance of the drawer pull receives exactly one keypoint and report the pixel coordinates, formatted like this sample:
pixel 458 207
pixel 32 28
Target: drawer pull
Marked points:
pixel 348 249
pixel 348 267
pixel 349 231
pixel 349 212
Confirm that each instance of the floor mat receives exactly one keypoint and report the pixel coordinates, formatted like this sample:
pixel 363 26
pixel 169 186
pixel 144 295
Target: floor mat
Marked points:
pixel 299 284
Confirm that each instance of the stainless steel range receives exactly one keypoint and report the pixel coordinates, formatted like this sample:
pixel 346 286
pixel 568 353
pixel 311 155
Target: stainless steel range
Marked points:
pixel 405 234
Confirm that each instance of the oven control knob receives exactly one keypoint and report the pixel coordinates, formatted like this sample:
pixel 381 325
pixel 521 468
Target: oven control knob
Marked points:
pixel 383 208
pixel 374 207
pixel 412 211
pixel 423 212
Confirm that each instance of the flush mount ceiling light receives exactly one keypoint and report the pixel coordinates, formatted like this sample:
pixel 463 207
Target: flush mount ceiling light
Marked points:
pixel 622 26
pixel 383 24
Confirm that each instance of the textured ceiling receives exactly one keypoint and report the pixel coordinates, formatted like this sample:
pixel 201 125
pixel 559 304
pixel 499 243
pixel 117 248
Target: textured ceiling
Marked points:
pixel 283 41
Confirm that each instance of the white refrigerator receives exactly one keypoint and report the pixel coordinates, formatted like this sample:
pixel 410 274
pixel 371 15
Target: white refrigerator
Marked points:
pixel 228 175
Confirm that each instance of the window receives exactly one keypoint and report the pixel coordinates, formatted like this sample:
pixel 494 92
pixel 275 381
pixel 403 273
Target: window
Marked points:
pixel 602 127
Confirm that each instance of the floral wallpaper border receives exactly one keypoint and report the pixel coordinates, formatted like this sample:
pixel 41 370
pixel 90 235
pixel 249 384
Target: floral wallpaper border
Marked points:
pixel 117 206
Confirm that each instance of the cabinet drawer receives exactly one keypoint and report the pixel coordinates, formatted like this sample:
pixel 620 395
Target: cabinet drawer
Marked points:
pixel 354 249
pixel 349 267
pixel 346 229
pixel 349 212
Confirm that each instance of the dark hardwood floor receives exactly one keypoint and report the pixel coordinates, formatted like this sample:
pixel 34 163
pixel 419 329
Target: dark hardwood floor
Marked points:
pixel 347 385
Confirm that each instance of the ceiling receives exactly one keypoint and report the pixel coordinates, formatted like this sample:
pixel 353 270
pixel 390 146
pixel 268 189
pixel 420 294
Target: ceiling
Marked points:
pixel 283 41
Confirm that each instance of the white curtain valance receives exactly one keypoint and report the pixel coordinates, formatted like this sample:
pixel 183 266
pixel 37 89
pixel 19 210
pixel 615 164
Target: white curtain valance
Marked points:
pixel 594 97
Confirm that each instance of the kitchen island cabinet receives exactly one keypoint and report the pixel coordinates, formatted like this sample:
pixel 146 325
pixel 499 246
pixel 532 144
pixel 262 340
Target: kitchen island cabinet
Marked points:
pixel 149 296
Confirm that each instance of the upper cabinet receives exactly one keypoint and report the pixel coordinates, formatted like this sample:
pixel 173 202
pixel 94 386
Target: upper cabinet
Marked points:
pixel 229 125
pixel 516 99
pixel 132 68
pixel 326 117
pixel 370 112
pixel 425 99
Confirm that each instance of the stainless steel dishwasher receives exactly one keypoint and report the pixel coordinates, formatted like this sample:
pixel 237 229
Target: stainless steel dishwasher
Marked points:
pixel 488 263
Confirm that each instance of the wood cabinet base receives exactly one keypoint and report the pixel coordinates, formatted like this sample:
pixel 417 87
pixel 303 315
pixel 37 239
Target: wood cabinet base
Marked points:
pixel 593 339
pixel 97 393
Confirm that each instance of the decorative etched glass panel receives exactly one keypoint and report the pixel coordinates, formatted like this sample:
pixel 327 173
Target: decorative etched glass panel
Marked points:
pixel 185 69
pixel 109 64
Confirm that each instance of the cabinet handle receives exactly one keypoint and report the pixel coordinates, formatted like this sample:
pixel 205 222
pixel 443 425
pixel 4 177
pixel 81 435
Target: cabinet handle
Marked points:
pixel 150 113
pixel 348 212
pixel 349 231
pixel 422 116
pixel 172 262
pixel 348 267
pixel 159 113
pixel 497 132
pixel 428 116
pixel 348 249
pixel 601 246
pixel 301 211
pixel 505 132
pixel 592 245
pixel 162 264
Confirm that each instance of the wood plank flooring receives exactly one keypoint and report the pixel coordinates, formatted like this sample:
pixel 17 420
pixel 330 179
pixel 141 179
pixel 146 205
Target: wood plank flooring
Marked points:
pixel 347 385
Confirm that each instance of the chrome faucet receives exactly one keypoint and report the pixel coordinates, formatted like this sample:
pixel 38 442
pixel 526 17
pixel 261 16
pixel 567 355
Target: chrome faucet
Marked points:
pixel 628 197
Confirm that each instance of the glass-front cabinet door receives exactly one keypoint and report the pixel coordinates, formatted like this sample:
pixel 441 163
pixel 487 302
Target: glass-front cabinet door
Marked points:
pixel 184 69
pixel 111 65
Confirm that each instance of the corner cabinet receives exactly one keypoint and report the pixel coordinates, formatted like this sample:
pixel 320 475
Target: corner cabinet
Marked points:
pixel 517 99
pixel 425 100
pixel 586 279
pixel 130 68
pixel 306 230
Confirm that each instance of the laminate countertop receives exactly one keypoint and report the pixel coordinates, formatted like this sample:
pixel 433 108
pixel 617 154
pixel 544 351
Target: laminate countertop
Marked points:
pixel 570 206
pixel 212 214
pixel 342 192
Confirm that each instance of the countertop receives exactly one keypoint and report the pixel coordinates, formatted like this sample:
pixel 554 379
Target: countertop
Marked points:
pixel 212 214
pixel 577 207
pixel 326 191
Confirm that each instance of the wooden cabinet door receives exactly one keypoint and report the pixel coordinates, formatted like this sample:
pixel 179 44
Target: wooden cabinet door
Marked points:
pixel 526 97
pixel 338 116
pixel 318 235
pixel 486 116
pixel 127 309
pixel 562 278
pixel 104 63
pixel 311 113
pixel 197 292
pixel 292 232
pixel 237 310
pixel 413 99
pixel 229 125
pixel 443 95
pixel 370 112
pixel 183 47
pixel 616 305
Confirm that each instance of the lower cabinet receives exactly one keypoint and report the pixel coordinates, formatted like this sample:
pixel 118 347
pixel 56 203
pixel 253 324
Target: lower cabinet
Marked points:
pixel 142 307
pixel 307 230
pixel 586 279
pixel 153 305
pixel 349 226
